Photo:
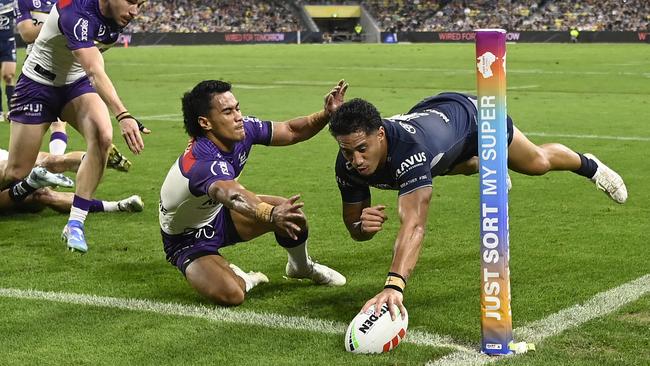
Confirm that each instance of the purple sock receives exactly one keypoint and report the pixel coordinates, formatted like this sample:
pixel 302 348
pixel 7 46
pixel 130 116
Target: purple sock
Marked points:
pixel 96 206
pixel 59 136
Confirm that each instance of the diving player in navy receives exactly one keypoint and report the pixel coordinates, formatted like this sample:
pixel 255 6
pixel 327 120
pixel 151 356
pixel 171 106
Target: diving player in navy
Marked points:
pixel 7 51
pixel 203 207
pixel 438 136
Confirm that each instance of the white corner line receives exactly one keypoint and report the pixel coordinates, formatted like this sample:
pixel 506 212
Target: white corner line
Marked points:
pixel 600 305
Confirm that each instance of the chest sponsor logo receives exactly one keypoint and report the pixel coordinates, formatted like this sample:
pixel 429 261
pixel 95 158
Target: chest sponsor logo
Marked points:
pixel 410 163
pixel 80 29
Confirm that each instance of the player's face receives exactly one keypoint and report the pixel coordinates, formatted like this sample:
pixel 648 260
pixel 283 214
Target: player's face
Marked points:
pixel 123 11
pixel 225 120
pixel 365 152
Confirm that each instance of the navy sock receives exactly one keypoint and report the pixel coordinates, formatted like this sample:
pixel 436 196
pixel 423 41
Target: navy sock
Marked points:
pixel 287 242
pixel 587 168
pixel 9 90
pixel 20 190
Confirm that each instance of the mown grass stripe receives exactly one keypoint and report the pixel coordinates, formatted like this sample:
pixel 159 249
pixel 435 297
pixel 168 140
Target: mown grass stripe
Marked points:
pixel 218 314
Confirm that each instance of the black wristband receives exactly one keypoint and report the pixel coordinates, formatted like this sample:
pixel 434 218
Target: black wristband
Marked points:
pixel 397 275
pixel 396 288
pixel 120 114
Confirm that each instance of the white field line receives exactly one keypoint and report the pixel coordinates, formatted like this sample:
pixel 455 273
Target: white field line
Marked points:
pixel 177 117
pixel 600 305
pixel 449 71
pixel 218 314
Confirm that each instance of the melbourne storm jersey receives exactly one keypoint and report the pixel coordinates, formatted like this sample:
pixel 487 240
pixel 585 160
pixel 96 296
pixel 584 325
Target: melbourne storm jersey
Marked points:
pixel 35 11
pixel 6 19
pixel 71 25
pixel 426 142
pixel 184 201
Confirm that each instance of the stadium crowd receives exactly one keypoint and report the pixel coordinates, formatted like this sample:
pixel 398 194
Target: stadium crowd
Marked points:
pixel 398 15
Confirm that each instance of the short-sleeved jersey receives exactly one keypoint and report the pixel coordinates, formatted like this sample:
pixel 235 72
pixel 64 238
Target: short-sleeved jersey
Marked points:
pixel 184 201
pixel 35 11
pixel 71 25
pixel 7 17
pixel 422 144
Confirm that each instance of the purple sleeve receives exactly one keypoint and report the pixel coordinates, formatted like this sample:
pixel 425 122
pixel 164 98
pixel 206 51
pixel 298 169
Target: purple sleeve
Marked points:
pixel 22 10
pixel 260 132
pixel 78 28
pixel 204 173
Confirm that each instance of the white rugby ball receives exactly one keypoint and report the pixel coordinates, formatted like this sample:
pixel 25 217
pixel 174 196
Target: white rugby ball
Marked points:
pixel 368 333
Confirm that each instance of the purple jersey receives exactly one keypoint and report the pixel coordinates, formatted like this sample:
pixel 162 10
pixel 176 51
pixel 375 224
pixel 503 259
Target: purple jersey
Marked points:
pixel 71 25
pixel 184 201
pixel 33 10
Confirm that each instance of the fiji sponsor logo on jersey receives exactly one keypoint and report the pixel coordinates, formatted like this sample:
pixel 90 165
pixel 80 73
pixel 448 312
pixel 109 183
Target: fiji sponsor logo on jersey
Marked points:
pixel 33 109
pixel 80 29
pixel 411 162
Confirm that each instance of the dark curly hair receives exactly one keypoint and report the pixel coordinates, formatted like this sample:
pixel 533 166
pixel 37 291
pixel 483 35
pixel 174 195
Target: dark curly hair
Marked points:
pixel 353 116
pixel 197 103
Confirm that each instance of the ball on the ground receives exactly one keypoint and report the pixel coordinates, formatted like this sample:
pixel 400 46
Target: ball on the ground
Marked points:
pixel 368 333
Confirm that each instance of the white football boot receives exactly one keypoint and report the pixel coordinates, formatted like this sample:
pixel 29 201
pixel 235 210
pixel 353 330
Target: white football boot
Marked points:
pixel 251 279
pixel 40 177
pixel 318 273
pixel 131 204
pixel 609 181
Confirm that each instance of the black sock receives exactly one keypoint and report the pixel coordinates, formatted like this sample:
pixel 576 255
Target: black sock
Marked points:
pixel 9 90
pixel 587 168
pixel 20 190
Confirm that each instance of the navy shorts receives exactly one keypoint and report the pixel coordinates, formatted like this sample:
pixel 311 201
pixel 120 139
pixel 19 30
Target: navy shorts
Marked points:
pixel 183 249
pixel 8 50
pixel 34 103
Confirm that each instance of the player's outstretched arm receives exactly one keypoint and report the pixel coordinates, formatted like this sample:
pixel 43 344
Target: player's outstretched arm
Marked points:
pixel 413 209
pixel 287 216
pixel 362 220
pixel 303 128
pixel 93 64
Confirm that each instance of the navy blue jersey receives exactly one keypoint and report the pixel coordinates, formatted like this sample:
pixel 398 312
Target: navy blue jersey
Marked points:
pixel 426 142
pixel 7 18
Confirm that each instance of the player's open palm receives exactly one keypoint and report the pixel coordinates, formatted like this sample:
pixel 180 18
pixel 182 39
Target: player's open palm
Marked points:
pixel 289 217
pixel 373 218
pixel 336 97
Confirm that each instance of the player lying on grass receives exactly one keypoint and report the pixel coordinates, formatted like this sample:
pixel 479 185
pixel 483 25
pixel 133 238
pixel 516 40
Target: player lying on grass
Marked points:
pixel 41 178
pixel 438 136
pixel 203 208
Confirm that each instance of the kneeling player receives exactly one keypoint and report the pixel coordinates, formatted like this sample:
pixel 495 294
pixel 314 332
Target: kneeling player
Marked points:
pixel 203 208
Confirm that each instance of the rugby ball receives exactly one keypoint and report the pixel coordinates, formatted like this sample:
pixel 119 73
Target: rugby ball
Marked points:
pixel 368 333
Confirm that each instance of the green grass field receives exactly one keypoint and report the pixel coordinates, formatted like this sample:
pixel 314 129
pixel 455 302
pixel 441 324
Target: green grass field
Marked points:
pixel 569 242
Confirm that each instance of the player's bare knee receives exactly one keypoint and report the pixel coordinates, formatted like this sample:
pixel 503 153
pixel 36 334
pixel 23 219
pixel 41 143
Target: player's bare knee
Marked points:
pixel 540 165
pixel 8 78
pixel 229 295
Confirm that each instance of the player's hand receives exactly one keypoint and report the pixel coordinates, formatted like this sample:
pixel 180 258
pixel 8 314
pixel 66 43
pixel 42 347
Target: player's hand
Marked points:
pixel 372 219
pixel 289 217
pixel 336 97
pixel 387 296
pixel 131 133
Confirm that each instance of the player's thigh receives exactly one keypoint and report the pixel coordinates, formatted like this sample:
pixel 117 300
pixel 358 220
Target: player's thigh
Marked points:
pixel 88 114
pixel 24 145
pixel 212 277
pixel 250 228
pixel 522 153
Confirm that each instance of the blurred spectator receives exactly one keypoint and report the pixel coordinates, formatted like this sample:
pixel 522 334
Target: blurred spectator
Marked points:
pixel 186 16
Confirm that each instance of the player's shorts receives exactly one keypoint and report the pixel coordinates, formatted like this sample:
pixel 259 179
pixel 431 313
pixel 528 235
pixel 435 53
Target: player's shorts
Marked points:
pixel 8 50
pixel 34 103
pixel 183 249
pixel 470 148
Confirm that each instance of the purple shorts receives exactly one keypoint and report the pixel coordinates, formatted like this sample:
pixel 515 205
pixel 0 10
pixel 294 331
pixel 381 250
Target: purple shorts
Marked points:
pixel 183 249
pixel 34 103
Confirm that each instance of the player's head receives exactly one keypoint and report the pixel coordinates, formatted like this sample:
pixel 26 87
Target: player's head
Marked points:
pixel 359 131
pixel 211 109
pixel 122 11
